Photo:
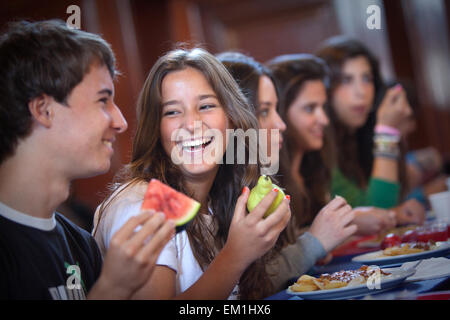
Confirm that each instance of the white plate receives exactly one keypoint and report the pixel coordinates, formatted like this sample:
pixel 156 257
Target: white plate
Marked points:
pixel 398 275
pixel 377 257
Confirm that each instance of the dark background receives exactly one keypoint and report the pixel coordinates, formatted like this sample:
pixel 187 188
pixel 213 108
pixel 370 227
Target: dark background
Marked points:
pixel 413 47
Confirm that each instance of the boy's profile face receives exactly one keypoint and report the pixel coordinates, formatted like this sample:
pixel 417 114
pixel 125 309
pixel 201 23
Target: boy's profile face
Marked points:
pixel 84 130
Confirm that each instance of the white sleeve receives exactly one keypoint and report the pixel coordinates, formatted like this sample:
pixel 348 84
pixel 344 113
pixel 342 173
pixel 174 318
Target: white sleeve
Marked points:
pixel 168 255
pixel 116 216
pixel 117 213
pixel 126 205
pixel 126 212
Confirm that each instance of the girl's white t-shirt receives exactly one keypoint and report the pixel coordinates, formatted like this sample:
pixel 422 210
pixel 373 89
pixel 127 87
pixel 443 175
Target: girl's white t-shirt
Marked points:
pixel 177 254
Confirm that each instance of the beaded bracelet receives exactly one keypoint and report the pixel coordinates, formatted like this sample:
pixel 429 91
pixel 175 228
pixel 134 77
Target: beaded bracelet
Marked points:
pixel 383 129
pixel 386 145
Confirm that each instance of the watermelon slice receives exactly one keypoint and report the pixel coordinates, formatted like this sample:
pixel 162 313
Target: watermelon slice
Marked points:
pixel 175 205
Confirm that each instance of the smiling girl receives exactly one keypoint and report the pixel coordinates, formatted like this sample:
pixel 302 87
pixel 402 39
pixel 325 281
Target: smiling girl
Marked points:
pixel 223 252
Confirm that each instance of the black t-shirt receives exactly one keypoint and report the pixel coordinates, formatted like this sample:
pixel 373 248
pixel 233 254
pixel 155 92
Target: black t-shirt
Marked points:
pixel 61 263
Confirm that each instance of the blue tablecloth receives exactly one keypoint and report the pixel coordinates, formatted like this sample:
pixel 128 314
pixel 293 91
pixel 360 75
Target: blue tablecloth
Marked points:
pixel 345 263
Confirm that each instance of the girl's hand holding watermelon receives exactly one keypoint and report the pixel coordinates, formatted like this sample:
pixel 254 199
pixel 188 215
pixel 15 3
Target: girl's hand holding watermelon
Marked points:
pixel 136 252
pixel 251 235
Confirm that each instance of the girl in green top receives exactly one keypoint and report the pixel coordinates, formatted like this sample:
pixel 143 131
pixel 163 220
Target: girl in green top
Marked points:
pixel 302 80
pixel 366 126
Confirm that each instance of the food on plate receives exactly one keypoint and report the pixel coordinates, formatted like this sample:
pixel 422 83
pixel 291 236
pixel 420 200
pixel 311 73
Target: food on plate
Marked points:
pixel 436 232
pixel 411 233
pixel 409 248
pixel 409 236
pixel 377 240
pixel 399 231
pixel 304 283
pixel 262 188
pixel 391 240
pixel 175 205
pixel 336 280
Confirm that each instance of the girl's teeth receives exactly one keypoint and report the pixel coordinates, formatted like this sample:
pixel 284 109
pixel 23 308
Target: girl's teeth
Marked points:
pixel 107 143
pixel 195 143
pixel 192 143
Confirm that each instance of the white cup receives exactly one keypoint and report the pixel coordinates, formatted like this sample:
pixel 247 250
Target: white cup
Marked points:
pixel 440 203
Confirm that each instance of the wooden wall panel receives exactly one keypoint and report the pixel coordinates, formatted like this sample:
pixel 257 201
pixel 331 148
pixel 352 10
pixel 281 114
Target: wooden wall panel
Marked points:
pixel 98 16
pixel 266 29
pixel 34 10
pixel 137 31
pixel 404 69
pixel 426 26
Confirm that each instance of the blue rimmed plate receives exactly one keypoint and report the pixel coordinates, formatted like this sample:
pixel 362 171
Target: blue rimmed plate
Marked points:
pixel 397 276
pixel 442 249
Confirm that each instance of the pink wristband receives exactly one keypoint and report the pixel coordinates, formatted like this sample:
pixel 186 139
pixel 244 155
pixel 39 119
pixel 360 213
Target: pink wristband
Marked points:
pixel 380 128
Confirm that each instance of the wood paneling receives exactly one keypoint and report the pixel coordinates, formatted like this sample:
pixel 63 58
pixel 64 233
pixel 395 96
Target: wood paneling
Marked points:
pixel 426 25
pixel 265 29
pixel 152 24
pixel 34 10
pixel 108 19
pixel 404 69
pixel 138 33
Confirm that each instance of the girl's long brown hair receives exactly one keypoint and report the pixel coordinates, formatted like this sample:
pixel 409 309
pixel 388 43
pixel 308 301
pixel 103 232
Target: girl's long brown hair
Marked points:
pixel 290 73
pixel 149 160
pixel 247 73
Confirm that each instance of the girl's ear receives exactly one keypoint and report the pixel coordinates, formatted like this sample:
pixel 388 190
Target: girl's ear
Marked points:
pixel 41 109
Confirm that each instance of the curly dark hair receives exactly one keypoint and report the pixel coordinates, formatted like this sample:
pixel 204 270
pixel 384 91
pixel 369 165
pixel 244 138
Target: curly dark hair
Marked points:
pixel 44 57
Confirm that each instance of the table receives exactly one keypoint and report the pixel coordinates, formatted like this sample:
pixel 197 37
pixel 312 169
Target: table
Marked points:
pixel 343 262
